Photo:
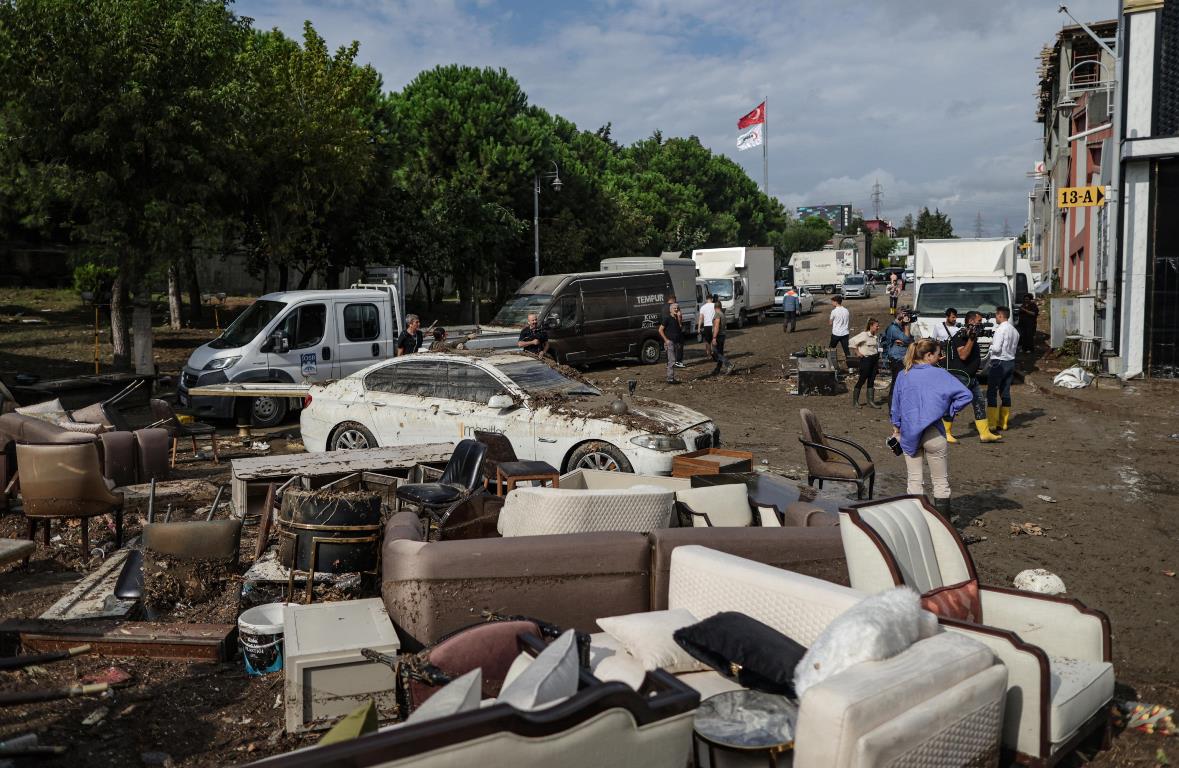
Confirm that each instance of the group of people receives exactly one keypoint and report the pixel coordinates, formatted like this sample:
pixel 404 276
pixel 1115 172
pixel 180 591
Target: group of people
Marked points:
pixel 412 338
pixel 710 317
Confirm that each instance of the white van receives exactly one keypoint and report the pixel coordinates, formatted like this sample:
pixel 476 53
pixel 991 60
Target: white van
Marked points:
pixel 293 337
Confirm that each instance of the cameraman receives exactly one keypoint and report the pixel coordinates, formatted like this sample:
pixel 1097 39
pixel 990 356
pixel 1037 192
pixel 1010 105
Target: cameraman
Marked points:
pixel 895 344
pixel 965 358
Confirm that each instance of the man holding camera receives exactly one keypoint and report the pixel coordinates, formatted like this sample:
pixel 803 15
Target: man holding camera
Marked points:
pixel 965 359
pixel 896 343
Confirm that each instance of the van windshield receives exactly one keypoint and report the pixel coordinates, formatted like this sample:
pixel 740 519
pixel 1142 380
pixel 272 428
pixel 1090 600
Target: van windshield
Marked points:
pixel 722 289
pixel 515 312
pixel 248 324
pixel 537 378
pixel 935 298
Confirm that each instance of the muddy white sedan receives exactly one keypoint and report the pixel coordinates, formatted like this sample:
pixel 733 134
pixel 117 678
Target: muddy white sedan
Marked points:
pixel 442 397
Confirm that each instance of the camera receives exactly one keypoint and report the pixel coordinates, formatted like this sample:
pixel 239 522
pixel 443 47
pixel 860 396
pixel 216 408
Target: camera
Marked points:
pixel 977 330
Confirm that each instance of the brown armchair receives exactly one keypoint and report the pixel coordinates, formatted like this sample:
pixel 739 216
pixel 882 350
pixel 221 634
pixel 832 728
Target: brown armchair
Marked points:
pixel 65 481
pixel 167 419
pixel 827 462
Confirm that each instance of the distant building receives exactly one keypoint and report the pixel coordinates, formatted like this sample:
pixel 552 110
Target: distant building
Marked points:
pixel 876 226
pixel 838 216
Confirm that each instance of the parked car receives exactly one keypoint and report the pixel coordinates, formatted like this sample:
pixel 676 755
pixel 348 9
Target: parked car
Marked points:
pixel 444 397
pixel 856 287
pixel 806 302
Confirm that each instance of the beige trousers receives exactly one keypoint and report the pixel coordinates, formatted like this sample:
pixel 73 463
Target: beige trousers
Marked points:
pixel 935 449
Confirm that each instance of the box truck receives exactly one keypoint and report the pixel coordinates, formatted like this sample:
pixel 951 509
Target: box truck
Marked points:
pixel 822 270
pixel 743 278
pixel 966 274
pixel 681 271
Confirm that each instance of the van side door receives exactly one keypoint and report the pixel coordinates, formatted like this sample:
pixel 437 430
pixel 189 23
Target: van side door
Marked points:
pixel 361 335
pixel 606 330
pixel 309 341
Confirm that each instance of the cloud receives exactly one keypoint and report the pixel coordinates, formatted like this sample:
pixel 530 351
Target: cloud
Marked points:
pixel 934 99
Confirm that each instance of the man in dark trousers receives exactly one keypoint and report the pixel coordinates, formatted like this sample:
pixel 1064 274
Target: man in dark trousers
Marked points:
pixel 670 308
pixel 965 358
pixel 410 340
pixel 672 333
pixel 533 338
pixel 894 346
pixel 790 307
pixel 1029 314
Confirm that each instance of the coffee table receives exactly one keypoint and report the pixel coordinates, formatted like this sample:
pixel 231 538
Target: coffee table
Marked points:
pixel 509 473
pixel 746 722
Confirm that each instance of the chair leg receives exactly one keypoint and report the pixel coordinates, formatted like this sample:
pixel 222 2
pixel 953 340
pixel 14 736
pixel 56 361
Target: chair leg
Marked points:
pixel 194 445
pixel 871 484
pixel 859 490
pixel 45 534
pixel 216 458
pixel 32 529
pixel 119 529
pixel 174 441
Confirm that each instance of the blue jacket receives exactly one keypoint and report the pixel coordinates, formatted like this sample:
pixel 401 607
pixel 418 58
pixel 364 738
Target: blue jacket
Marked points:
pixel 922 396
pixel 891 334
pixel 790 303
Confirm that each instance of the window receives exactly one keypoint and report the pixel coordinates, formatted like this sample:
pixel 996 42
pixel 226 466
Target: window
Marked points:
pixel 362 322
pixel 248 324
pixel 304 327
pixel 470 383
pixel 604 305
pixel 420 378
pixel 565 309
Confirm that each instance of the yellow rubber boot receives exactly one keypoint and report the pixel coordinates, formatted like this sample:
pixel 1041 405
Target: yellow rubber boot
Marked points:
pixel 993 417
pixel 949 436
pixel 985 434
pixel 1004 415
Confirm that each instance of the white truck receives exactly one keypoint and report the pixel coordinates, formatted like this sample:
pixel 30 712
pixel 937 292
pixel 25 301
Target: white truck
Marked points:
pixel 743 278
pixel 681 271
pixel 966 274
pixel 822 270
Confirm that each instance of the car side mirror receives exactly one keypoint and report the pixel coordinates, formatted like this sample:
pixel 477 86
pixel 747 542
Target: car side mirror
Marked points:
pixel 552 321
pixel 279 343
pixel 501 401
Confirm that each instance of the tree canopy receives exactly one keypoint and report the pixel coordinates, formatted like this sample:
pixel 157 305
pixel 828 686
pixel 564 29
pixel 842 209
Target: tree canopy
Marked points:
pixel 932 226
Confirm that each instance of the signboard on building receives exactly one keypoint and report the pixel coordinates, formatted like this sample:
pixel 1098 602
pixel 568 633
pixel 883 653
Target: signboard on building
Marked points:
pixel 900 248
pixel 1080 197
pixel 838 216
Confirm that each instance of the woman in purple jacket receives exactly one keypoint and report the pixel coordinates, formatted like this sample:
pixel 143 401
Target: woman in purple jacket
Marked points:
pixel 924 393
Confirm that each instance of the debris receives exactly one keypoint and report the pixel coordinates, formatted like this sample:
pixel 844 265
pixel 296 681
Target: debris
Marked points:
pixel 112 676
pixel 153 759
pixel 1073 378
pixel 168 581
pixel 1028 529
pixel 969 538
pixel 187 642
pixel 96 717
pixel 979 522
pixel 1145 718
pixel 1169 573
pixel 1040 581
pixel 259 445
pixel 1046 497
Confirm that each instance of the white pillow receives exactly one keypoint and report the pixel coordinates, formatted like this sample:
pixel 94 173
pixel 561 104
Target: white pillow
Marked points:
pixel 648 638
pixel 876 628
pixel 460 695
pixel 768 517
pixel 727 506
pixel 551 675
pixel 622 668
pixel 519 664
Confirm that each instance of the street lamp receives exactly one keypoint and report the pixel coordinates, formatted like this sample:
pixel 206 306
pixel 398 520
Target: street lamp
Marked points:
pixel 555 175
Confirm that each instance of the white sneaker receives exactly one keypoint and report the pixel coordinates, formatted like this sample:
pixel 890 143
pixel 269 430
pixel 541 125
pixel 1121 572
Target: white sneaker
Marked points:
pixel 678 365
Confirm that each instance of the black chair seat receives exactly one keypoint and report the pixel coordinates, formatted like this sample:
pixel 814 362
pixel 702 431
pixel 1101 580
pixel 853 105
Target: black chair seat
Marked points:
pixel 430 494
pixel 198 428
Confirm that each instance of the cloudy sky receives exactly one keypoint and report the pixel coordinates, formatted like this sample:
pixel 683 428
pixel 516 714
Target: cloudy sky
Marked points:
pixel 933 99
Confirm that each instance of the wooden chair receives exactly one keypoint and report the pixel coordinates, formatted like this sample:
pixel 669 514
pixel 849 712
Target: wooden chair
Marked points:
pixel 827 462
pixel 167 419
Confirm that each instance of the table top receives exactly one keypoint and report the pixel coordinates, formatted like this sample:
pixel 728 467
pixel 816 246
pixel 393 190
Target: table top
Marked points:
pixel 339 462
pixel 747 720
pixel 516 468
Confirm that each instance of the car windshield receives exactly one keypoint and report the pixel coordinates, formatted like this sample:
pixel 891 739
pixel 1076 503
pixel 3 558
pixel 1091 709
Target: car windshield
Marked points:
pixel 935 298
pixel 537 378
pixel 853 281
pixel 515 312
pixel 781 291
pixel 248 324
pixel 722 289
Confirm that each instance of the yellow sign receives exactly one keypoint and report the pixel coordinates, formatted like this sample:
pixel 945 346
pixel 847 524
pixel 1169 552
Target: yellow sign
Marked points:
pixel 1080 197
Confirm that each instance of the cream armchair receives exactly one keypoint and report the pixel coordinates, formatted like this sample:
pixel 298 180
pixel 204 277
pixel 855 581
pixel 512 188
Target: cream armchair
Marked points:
pixel 1057 651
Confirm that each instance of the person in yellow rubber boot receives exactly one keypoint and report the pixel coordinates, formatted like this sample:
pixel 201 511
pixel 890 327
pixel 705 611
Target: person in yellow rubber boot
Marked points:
pixel 964 360
pixel 1002 370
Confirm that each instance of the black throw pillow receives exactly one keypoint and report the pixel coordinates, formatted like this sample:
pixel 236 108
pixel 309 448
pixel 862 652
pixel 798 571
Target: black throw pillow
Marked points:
pixel 743 649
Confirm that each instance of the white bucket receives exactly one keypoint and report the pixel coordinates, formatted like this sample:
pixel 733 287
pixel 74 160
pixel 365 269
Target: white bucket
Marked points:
pixel 260 634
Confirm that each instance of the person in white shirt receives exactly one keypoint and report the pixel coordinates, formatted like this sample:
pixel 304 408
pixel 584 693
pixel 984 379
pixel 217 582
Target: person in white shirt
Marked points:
pixel 840 328
pixel 943 332
pixel 704 317
pixel 1004 344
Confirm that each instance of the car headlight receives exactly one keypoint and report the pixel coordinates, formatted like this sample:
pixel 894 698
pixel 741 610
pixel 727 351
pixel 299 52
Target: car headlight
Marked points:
pixel 659 442
pixel 221 363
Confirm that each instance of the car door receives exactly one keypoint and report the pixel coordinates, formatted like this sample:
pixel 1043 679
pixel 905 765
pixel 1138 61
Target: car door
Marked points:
pixel 606 328
pixel 359 341
pixel 469 387
pixel 403 403
pixel 309 347
pixel 563 324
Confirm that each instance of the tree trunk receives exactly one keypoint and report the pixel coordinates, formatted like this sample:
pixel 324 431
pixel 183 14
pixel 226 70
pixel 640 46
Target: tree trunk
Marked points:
pixel 142 346
pixel 174 296
pixel 283 278
pixel 425 281
pixel 120 335
pixel 305 280
pixel 194 288
pixel 331 277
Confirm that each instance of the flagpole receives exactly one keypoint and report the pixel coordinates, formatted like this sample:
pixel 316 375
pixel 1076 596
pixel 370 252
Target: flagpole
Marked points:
pixel 765 145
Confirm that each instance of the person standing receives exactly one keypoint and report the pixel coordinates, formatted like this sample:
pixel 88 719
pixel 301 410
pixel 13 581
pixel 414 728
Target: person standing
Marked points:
pixel 895 287
pixel 945 330
pixel 410 340
pixel 671 330
pixel 896 343
pixel 1004 344
pixel 964 359
pixel 704 321
pixel 867 347
pixel 718 338
pixel 1029 315
pixel 440 343
pixel 533 338
pixel 840 328
pixel 922 395
pixel 667 311
pixel 790 306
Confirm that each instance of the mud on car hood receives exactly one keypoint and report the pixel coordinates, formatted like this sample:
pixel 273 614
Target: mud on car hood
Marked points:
pixel 643 414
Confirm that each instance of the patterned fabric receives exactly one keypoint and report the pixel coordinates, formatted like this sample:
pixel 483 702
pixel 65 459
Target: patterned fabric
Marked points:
pixel 545 511
pixel 972 741
pixel 955 601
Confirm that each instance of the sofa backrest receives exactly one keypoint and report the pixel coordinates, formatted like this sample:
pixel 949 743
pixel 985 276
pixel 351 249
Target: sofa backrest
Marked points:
pixel 29 429
pixel 548 511
pixel 596 479
pixel 705 582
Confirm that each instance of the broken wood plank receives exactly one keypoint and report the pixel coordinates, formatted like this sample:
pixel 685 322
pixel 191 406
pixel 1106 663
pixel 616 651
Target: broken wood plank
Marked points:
pixel 12 550
pixel 94 596
pixel 196 642
pixel 175 491
pixel 252 389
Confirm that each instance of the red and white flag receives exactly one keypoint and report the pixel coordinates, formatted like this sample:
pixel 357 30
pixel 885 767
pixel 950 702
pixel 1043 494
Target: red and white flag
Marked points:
pixel 758 115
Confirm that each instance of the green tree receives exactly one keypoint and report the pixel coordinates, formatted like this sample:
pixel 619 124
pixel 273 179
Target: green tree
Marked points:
pixel 932 226
pixel 882 247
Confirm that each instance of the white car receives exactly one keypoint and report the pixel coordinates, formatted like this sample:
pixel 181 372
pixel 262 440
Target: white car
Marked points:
pixel 547 416
pixel 806 302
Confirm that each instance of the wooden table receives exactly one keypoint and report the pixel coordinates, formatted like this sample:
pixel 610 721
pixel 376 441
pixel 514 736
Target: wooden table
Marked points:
pixel 256 472
pixel 509 473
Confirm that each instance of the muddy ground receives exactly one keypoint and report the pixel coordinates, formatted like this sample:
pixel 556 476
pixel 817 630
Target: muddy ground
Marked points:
pixel 1104 456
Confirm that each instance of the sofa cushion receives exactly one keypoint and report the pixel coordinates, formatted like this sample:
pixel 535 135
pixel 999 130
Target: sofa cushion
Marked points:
pixel 1078 689
pixel 955 601
pixel 727 506
pixel 459 695
pixel 547 511
pixel 649 638
pixel 744 649
pixel 551 676
pixel 836 467
pixel 709 683
pixel 876 628
pixel 53 406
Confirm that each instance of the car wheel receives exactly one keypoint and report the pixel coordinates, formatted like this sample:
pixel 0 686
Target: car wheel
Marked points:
pixel 598 455
pixel 351 436
pixel 268 411
pixel 649 352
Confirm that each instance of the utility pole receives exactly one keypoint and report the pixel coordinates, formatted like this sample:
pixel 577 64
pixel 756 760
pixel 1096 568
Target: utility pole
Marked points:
pixel 877 197
pixel 1006 228
pixel 978 226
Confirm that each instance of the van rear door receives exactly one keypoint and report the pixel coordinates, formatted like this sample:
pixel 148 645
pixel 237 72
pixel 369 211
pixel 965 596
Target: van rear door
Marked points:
pixel 362 334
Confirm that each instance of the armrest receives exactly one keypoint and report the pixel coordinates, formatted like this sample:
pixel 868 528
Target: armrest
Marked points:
pixel 686 509
pixel 1062 627
pixel 852 443
pixel 1026 726
pixel 834 450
